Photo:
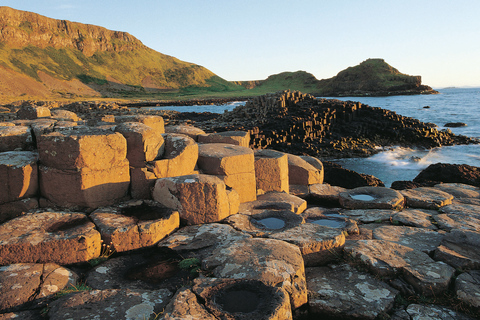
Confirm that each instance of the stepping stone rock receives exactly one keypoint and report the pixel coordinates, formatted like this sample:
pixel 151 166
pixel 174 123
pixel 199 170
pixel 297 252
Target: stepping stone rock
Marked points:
pixel 265 223
pixel 64 115
pixel 340 291
pixel 415 238
pixel 459 190
pixel 325 193
pixel 474 201
pixel 200 240
pixel 369 215
pixel 180 157
pixel 432 312
pixel 185 305
pixel 154 122
pixel 235 165
pixel 301 172
pixel 318 244
pixel 459 248
pixel 239 138
pixel 135 224
pixel 15 138
pixel 30 284
pixel 467 288
pixel 18 175
pixel 14 209
pixel 109 304
pixel 271 170
pixel 199 198
pixel 462 209
pixel 82 148
pixel 33 112
pixel 330 218
pixel 371 198
pixel 427 198
pixel 453 221
pixel 186 130
pixel 59 237
pixel 298 204
pixel 243 299
pixel 275 263
pixel 143 143
pixel 385 258
pixel 416 218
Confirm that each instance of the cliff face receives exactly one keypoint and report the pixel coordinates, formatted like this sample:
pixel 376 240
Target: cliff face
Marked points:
pixel 60 58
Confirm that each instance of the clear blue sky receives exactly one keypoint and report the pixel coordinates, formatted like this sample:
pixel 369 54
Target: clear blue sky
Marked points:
pixel 252 39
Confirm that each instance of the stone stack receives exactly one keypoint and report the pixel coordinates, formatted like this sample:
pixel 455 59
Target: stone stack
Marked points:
pixel 83 167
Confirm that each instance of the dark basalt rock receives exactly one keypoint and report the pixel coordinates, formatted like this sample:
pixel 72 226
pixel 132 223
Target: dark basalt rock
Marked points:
pixel 455 124
pixel 449 173
pixel 335 175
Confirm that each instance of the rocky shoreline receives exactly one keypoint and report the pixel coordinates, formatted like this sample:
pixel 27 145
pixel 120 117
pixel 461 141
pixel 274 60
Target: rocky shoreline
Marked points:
pixel 112 214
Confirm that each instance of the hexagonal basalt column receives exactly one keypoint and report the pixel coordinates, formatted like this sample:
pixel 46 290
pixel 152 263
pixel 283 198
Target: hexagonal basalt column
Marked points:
pixel 233 164
pixel 18 175
pixel 271 170
pixel 371 198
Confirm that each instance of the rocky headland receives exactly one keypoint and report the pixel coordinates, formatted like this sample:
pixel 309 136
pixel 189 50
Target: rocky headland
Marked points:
pixel 112 214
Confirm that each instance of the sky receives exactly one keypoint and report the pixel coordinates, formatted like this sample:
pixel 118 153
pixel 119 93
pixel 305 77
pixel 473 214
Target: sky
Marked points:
pixel 252 39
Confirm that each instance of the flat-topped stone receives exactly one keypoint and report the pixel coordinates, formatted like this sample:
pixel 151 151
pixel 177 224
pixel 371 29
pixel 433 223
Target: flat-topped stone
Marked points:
pixel 14 209
pixel 187 130
pixel 273 201
pixel 200 240
pixel 271 170
pixel 18 175
pixel 433 312
pixel 143 143
pixel 462 209
pixel 198 198
pixel 459 190
pixel 318 244
pixel 154 122
pixel 26 285
pixel 459 248
pixel 426 276
pixel 109 304
pixel 330 218
pixel 15 138
pixel 233 164
pixel 416 238
pixel 301 172
pixel 64 115
pixel 371 198
pixel 298 204
pixel 239 138
pixel 185 305
pixel 270 261
pixel 33 112
pixel 454 221
pixel 315 162
pixel 135 224
pixel 81 147
pixel 59 237
pixel 341 291
pixel 325 193
pixel 427 198
pixel 369 215
pixel 467 288
pixel 419 218
pixel 179 158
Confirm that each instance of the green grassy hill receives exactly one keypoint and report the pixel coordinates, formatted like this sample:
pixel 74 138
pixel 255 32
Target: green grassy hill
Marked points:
pixel 299 80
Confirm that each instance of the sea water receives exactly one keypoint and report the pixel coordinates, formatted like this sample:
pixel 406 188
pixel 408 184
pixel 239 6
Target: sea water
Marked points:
pixel 397 163
pixel 451 105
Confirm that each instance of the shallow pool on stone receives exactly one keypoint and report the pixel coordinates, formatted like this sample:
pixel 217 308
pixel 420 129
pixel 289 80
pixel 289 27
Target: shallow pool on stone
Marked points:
pixel 272 223
pixel 362 197
pixel 332 223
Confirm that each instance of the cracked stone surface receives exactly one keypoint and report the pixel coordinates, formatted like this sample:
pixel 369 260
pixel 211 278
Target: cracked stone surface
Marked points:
pixel 274 262
pixel 31 284
pixel 369 215
pixel 432 312
pixel 59 237
pixel 467 288
pixel 459 190
pixel 385 258
pixel 342 291
pixel 109 304
pixel 325 193
pixel 416 238
pixel 462 209
pixel 298 204
pixel 454 221
pixel 185 305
